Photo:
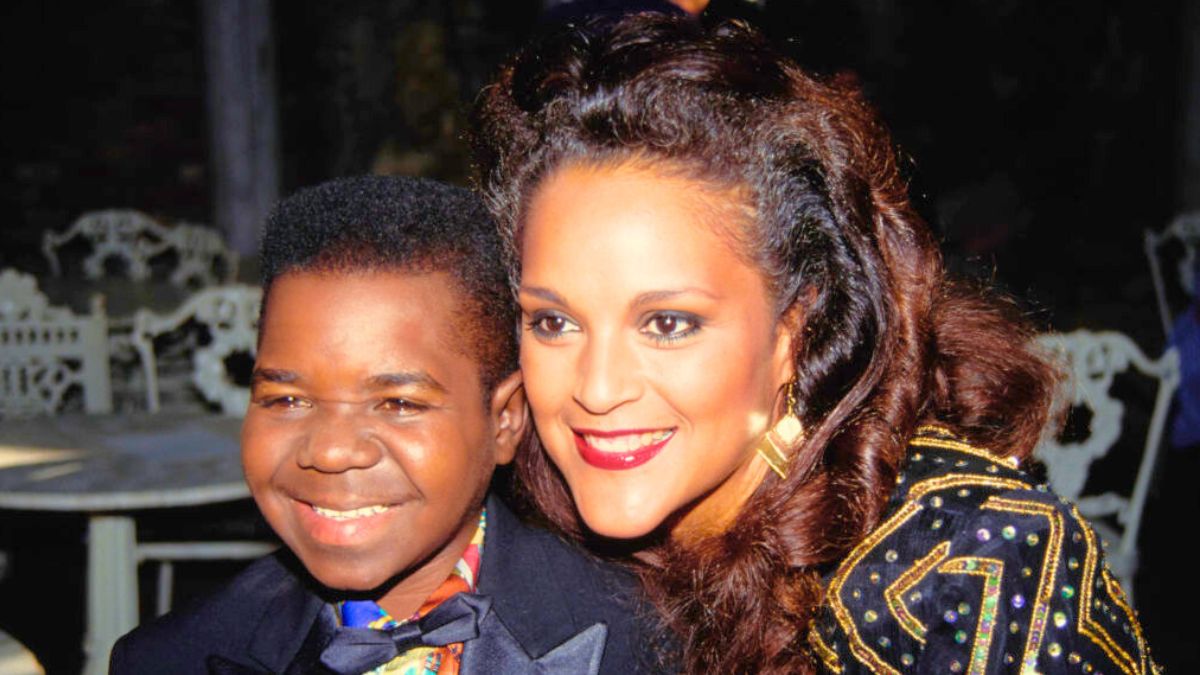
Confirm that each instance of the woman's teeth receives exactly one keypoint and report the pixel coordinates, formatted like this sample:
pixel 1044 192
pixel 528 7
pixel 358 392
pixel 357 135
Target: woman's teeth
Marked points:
pixel 627 442
pixel 348 515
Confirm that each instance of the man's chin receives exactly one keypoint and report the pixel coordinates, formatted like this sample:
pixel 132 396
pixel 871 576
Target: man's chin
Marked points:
pixel 344 577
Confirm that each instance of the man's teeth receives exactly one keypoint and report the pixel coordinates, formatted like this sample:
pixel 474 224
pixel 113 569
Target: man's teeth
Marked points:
pixel 627 442
pixel 347 515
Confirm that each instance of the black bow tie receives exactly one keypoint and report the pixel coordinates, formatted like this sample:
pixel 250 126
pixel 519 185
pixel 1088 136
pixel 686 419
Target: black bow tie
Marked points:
pixel 354 651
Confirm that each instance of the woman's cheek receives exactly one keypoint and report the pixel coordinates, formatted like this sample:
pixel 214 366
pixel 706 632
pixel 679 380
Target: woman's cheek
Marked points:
pixel 710 376
pixel 547 374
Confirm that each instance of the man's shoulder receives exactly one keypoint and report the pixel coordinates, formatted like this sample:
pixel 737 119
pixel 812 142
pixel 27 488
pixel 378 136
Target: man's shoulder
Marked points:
pixel 547 590
pixel 220 623
pixel 529 554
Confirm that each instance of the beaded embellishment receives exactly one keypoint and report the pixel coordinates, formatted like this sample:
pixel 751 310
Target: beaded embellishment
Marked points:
pixel 975 569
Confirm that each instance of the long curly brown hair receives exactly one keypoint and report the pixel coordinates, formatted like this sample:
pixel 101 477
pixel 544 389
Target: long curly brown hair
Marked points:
pixel 887 341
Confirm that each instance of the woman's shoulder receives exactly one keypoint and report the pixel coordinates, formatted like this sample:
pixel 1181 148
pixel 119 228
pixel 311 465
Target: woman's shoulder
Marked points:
pixel 976 567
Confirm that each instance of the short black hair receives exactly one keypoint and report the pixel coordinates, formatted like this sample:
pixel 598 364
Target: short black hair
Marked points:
pixel 415 225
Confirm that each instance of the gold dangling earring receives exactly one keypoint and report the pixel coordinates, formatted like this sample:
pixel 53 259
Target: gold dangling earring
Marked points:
pixel 777 443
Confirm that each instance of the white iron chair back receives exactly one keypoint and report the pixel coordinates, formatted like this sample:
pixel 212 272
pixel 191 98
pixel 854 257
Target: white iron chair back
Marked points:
pixel 45 351
pixel 135 238
pixel 125 234
pixel 203 256
pixel 1184 228
pixel 1092 361
pixel 230 314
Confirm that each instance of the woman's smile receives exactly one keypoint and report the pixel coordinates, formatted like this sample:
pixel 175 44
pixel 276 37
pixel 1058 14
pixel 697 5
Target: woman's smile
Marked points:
pixel 619 450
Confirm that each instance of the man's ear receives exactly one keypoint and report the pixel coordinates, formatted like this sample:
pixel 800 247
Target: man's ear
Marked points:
pixel 509 416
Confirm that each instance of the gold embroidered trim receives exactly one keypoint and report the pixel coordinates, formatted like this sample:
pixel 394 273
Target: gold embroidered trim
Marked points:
pixel 1045 589
pixel 894 594
pixel 948 444
pixel 992 571
pixel 1088 626
pixel 1120 599
pixel 858 648
pixel 954 480
pixel 935 429
pixel 827 655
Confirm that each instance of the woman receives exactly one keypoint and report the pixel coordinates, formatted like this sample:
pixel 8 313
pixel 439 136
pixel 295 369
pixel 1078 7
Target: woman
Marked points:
pixel 744 358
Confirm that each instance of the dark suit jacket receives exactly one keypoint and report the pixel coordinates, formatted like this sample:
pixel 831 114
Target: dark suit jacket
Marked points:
pixel 271 617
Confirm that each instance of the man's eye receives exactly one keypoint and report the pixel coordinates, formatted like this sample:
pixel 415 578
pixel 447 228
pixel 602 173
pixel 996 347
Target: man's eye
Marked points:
pixel 550 326
pixel 284 402
pixel 671 326
pixel 401 406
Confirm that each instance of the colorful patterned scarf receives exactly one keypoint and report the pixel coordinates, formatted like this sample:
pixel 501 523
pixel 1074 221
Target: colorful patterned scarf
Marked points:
pixel 423 660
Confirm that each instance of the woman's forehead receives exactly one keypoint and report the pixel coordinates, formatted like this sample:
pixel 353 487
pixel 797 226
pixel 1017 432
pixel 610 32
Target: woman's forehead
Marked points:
pixel 629 232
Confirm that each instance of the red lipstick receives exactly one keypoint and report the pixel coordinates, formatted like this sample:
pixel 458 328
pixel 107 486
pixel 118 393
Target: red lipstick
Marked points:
pixel 618 461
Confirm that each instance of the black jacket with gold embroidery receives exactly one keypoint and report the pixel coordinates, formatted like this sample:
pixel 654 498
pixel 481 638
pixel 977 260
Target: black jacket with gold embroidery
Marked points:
pixel 975 569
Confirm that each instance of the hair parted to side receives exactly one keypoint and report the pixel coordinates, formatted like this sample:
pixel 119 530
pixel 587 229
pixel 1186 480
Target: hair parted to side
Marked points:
pixel 392 224
pixel 886 341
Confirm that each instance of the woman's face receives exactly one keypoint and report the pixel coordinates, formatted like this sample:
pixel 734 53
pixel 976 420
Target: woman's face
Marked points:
pixel 651 352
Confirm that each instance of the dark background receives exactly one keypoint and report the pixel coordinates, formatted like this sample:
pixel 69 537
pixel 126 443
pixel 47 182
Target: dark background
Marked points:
pixel 1042 139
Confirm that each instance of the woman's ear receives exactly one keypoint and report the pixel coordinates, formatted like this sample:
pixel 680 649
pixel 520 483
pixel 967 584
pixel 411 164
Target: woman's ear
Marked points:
pixel 509 416
pixel 787 332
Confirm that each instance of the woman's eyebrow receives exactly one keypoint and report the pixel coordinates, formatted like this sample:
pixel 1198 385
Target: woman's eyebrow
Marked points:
pixel 544 293
pixel 650 297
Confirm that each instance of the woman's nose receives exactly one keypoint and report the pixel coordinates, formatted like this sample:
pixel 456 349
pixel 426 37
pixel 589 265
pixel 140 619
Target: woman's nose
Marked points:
pixel 339 441
pixel 607 375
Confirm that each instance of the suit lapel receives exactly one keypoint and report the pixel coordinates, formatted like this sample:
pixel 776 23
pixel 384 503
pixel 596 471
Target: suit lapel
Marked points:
pixel 293 622
pixel 497 651
pixel 517 573
pixel 287 621
pixel 307 660
pixel 531 577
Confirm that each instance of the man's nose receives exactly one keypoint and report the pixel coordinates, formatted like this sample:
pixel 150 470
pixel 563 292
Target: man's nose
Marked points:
pixel 339 440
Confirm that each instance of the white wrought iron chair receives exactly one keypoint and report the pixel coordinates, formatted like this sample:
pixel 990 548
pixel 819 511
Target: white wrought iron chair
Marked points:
pixel 204 259
pixel 125 234
pixel 230 314
pixel 47 351
pixel 1092 360
pixel 136 239
pixel 1185 229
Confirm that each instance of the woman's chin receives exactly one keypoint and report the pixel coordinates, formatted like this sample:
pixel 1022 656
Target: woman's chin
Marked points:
pixel 613 524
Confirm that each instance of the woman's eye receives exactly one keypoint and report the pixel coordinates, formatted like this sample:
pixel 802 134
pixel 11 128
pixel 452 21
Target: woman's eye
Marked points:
pixel 671 326
pixel 550 326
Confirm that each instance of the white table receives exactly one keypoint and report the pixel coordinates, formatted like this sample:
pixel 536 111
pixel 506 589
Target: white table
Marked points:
pixel 107 466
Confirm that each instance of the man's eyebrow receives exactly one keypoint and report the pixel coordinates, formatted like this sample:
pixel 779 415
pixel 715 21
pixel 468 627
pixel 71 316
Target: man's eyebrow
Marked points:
pixel 274 375
pixel 404 379
pixel 545 294
pixel 650 297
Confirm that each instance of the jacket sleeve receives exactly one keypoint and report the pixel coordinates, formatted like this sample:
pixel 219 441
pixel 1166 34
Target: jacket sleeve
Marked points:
pixel 1024 587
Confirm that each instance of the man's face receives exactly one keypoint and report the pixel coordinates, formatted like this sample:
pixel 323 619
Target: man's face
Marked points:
pixel 368 444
